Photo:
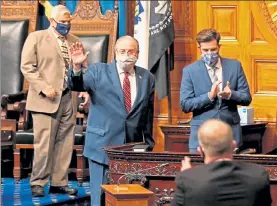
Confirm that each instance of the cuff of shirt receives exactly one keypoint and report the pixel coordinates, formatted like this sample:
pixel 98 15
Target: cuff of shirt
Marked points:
pixel 77 73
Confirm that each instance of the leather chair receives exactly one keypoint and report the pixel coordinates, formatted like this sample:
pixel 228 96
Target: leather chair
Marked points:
pixel 98 35
pixel 15 27
pixel 14 34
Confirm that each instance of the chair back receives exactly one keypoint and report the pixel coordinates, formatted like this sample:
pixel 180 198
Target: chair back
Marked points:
pixel 13 35
pixel 97 32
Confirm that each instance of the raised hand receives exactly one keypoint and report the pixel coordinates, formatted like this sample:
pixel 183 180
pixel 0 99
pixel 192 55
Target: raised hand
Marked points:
pixel 78 56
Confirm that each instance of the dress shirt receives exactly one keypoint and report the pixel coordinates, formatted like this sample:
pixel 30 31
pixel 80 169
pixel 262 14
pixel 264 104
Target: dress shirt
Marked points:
pixel 132 79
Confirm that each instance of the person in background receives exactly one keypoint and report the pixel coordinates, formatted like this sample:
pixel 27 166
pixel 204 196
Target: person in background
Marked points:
pixel 45 62
pixel 213 87
pixel 221 180
pixel 121 108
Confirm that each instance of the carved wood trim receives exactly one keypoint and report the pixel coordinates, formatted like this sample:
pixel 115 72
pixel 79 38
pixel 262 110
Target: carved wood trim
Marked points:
pixel 88 20
pixel 266 14
pixel 20 10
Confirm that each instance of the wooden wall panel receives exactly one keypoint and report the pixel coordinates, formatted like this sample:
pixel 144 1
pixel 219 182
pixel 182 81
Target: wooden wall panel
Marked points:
pixel 248 35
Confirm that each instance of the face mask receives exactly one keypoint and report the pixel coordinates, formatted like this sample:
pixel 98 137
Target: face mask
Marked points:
pixel 126 62
pixel 63 29
pixel 210 58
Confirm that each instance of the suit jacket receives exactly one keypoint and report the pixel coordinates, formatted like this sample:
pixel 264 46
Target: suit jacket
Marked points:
pixel 223 183
pixel 108 121
pixel 195 86
pixel 43 66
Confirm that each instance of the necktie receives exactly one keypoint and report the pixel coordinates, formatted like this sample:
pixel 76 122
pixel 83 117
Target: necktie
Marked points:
pixel 213 75
pixel 127 92
pixel 66 58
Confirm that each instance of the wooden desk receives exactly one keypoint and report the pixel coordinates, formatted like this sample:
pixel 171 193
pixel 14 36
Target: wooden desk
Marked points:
pixel 176 137
pixel 160 180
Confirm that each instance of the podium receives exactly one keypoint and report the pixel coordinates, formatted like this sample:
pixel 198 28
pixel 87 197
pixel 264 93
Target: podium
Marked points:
pixel 126 195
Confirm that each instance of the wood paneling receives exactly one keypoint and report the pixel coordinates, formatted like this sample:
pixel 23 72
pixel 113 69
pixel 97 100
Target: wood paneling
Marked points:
pixel 248 35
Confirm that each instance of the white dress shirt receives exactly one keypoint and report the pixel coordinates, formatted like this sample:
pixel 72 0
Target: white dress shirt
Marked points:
pixel 218 73
pixel 132 79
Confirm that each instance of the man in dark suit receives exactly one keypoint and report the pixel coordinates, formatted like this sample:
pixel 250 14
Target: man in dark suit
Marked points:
pixel 221 181
pixel 122 103
pixel 213 87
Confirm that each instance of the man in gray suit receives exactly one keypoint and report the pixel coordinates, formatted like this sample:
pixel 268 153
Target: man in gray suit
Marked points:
pixel 213 87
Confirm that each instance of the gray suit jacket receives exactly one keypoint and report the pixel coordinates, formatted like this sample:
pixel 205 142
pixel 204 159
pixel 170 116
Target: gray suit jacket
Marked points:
pixel 195 86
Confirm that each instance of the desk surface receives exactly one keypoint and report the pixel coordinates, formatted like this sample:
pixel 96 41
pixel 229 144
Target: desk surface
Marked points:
pixel 161 179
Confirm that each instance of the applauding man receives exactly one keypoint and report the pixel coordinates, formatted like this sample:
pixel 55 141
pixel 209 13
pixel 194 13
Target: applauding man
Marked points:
pixel 213 87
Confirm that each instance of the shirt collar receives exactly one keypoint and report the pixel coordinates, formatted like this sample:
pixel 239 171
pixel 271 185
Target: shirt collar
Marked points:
pixel 56 35
pixel 120 70
pixel 218 65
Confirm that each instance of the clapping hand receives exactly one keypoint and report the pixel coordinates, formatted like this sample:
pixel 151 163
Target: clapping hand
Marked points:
pixel 185 164
pixel 225 94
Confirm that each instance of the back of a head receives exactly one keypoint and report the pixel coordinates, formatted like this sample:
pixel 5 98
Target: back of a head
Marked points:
pixel 215 138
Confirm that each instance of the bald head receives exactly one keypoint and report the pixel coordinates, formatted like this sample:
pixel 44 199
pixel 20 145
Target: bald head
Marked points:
pixel 215 138
pixel 124 40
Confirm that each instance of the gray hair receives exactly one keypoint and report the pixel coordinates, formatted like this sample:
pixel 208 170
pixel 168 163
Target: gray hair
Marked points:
pixel 58 9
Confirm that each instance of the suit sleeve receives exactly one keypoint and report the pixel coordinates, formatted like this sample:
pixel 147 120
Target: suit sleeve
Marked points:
pixel 84 81
pixel 242 95
pixel 179 199
pixel 264 196
pixel 148 138
pixel 29 65
pixel 189 102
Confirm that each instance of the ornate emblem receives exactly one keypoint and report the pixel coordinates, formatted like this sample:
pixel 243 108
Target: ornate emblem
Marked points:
pixel 269 11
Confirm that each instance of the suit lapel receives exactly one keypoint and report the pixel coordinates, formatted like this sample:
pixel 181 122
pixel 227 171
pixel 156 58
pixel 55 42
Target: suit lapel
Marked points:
pixel 203 70
pixel 116 81
pixel 139 79
pixel 53 41
pixel 225 72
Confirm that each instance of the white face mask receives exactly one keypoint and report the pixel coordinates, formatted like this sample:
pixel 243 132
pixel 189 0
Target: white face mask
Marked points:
pixel 126 62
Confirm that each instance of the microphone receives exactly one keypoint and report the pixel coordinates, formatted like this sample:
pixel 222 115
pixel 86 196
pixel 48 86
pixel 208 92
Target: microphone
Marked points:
pixel 139 171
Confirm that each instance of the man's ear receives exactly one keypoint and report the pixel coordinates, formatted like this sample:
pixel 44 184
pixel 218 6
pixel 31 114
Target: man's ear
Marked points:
pixel 200 150
pixel 234 144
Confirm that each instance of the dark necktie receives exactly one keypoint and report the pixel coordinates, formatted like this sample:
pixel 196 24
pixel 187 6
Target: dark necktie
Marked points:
pixel 127 92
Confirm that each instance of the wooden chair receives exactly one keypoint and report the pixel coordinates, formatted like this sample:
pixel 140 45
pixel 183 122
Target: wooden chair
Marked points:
pixel 18 19
pixel 98 34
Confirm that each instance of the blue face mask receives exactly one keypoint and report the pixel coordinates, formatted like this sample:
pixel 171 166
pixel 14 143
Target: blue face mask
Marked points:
pixel 63 29
pixel 210 58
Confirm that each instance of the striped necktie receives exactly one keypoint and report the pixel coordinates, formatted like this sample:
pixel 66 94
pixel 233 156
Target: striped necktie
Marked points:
pixel 64 50
pixel 127 92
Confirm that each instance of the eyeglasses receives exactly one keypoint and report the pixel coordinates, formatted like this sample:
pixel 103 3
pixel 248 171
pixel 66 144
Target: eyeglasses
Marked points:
pixel 129 52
